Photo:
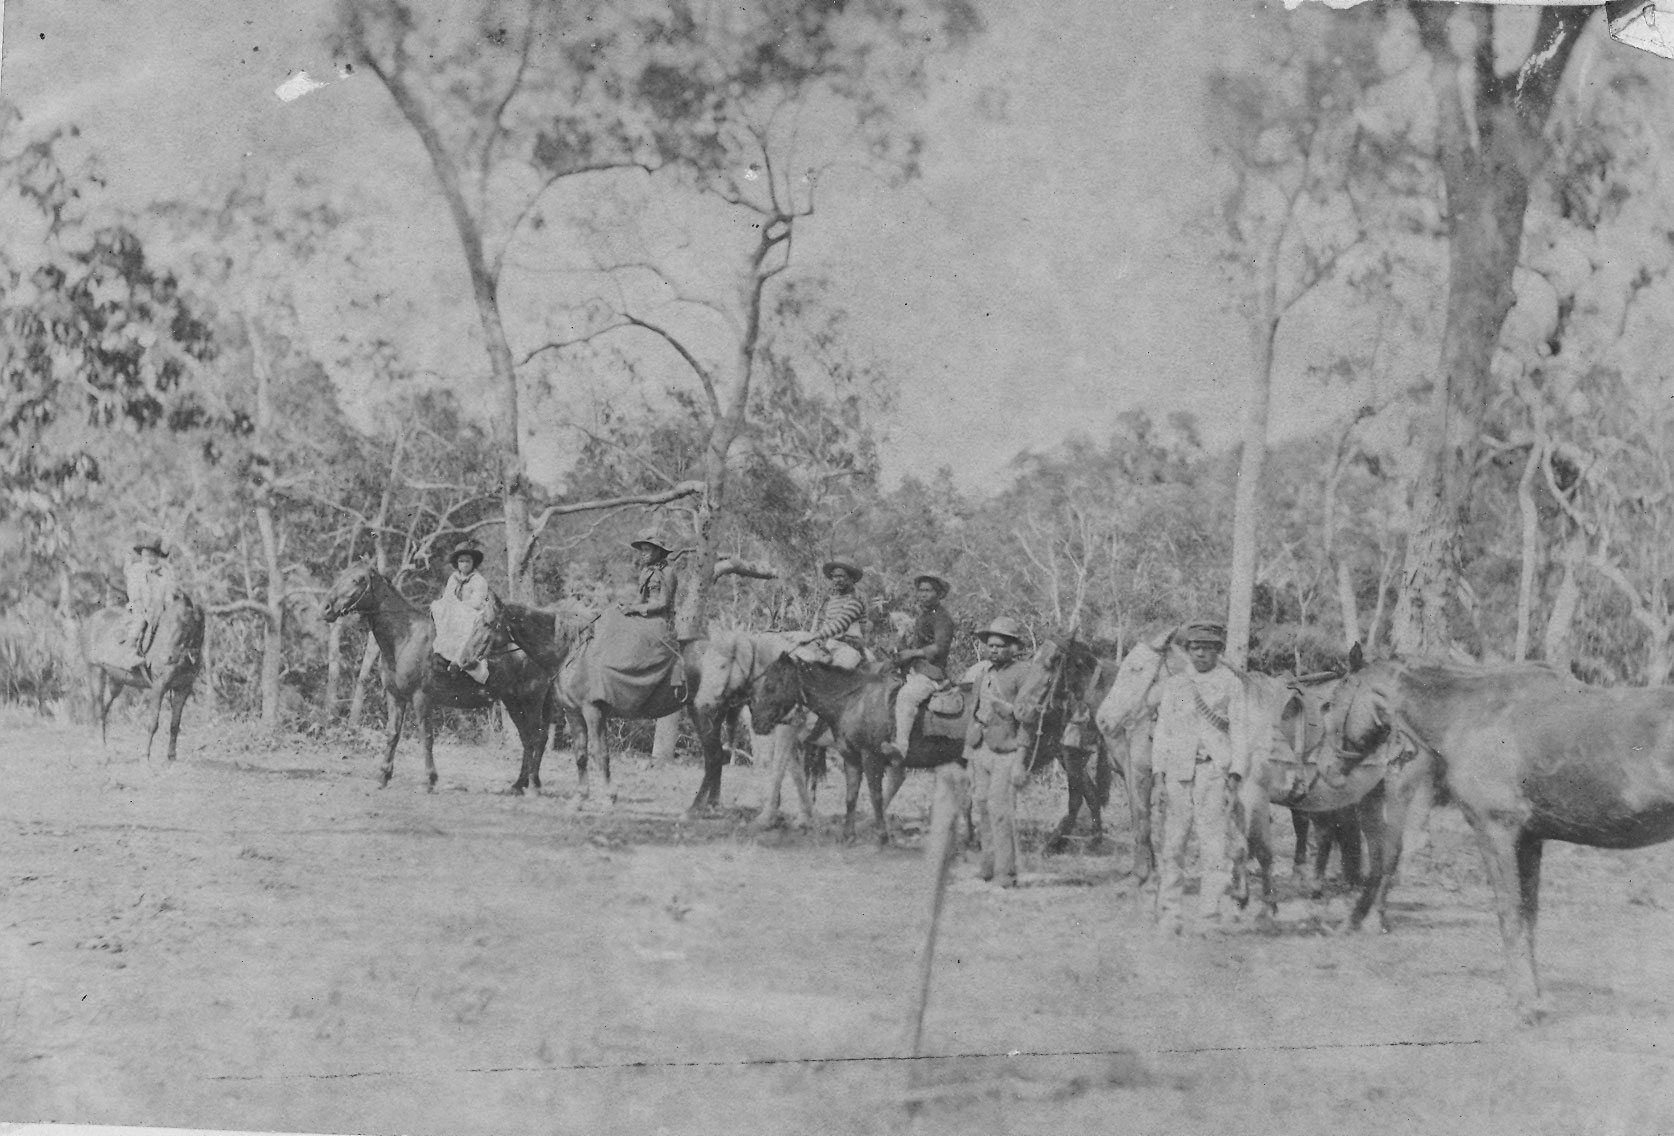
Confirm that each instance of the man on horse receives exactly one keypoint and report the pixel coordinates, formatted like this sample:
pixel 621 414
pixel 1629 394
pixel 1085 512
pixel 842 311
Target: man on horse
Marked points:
pixel 835 633
pixel 1201 746
pixel 659 578
pixel 923 654
pixel 150 585
pixel 997 748
pixel 461 612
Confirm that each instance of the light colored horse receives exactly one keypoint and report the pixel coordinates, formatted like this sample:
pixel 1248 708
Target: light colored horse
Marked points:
pixel 733 662
pixel 1125 718
pixel 171 670
pixel 1285 771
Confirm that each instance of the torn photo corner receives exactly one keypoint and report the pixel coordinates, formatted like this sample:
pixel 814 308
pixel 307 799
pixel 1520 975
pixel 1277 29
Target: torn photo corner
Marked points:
pixel 1645 24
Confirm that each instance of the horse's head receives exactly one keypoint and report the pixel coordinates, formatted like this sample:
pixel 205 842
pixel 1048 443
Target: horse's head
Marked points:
pixel 775 694
pixel 732 664
pixel 1358 719
pixel 349 591
pixel 1148 662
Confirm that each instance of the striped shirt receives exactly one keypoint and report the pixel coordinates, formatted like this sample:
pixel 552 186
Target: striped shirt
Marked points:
pixel 839 617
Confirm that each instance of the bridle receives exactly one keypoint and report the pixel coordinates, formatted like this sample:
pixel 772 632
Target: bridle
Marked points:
pixel 354 604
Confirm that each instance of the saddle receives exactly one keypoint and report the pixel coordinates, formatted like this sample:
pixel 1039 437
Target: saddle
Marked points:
pixel 943 714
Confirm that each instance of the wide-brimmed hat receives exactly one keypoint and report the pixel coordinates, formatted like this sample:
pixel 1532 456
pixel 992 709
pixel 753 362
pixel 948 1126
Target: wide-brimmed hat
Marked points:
pixel 1204 631
pixel 155 544
pixel 844 563
pixel 942 586
pixel 652 536
pixel 467 549
pixel 1006 627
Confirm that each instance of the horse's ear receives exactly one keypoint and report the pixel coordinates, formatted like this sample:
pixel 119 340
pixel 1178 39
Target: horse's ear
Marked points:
pixel 1357 657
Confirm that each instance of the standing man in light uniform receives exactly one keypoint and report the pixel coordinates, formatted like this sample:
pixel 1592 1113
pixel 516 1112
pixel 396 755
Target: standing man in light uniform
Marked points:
pixel 1201 748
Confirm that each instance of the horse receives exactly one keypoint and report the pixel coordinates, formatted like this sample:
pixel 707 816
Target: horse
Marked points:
pixel 171 667
pixel 1288 773
pixel 732 664
pixel 1123 720
pixel 1529 755
pixel 524 647
pixel 1292 769
pixel 1081 679
pixel 856 706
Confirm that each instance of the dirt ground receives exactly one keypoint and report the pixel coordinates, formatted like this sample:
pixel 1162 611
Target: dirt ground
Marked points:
pixel 257 937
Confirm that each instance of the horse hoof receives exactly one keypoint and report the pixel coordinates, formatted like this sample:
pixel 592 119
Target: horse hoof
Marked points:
pixel 1533 1013
pixel 512 791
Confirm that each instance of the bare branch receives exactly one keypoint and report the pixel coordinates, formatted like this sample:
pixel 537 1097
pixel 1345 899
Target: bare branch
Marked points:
pixel 684 489
pixel 732 566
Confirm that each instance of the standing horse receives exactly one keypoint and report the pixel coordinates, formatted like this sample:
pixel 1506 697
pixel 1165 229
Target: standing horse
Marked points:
pixel 519 676
pixel 171 667
pixel 733 662
pixel 1528 755
pixel 857 707
pixel 1080 681
pixel 1124 720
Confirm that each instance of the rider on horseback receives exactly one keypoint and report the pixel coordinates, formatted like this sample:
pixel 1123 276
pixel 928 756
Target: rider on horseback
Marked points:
pixel 835 636
pixel 659 596
pixel 923 655
pixel 150 585
pixel 461 611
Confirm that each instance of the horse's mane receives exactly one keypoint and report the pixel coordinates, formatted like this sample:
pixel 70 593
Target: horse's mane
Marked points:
pixel 1449 673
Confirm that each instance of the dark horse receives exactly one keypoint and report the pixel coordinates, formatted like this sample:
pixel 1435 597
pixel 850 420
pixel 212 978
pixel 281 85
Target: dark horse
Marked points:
pixel 1080 680
pixel 171 669
pixel 1529 755
pixel 857 707
pixel 524 651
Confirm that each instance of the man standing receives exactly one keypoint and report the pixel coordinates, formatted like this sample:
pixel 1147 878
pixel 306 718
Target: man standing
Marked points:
pixel 924 655
pixel 150 585
pixel 459 612
pixel 997 748
pixel 834 636
pixel 1201 749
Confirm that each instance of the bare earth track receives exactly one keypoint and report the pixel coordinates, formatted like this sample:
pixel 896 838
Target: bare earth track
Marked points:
pixel 258 938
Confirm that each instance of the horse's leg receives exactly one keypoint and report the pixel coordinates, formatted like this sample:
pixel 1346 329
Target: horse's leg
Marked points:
pixel 952 790
pixel 1507 853
pixel 1348 845
pixel 875 787
pixel 109 692
pixel 793 756
pixel 852 776
pixel 708 728
pixel 394 711
pixel 576 722
pixel 895 775
pixel 1299 855
pixel 1074 762
pixel 599 747
pixel 1141 782
pixel 427 738
pixel 1258 841
pixel 177 706
pixel 1398 796
pixel 531 731
pixel 1529 850
pixel 155 697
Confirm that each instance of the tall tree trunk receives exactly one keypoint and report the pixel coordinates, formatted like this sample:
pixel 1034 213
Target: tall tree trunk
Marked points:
pixel 1489 154
pixel 273 624
pixel 485 292
pixel 1556 646
pixel 1530 551
pixel 1247 505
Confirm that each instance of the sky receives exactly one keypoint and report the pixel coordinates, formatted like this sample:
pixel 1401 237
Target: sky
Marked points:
pixel 1041 277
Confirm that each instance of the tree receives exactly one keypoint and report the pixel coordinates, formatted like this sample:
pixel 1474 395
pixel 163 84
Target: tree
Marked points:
pixel 1297 215
pixel 1490 145
pixel 746 117
pixel 99 344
